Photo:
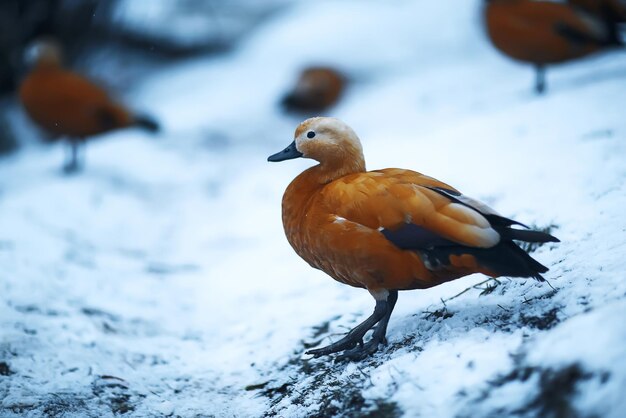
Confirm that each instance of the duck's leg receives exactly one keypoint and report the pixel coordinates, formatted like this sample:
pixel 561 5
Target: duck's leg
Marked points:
pixel 540 78
pixel 382 325
pixel 71 165
pixel 382 312
pixel 378 337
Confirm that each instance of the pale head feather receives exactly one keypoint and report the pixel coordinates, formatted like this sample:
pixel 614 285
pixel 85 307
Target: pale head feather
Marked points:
pixel 44 51
pixel 333 144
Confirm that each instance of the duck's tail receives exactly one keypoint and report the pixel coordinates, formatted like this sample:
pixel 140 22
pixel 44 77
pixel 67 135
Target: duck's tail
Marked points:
pixel 147 122
pixel 507 258
pixel 612 14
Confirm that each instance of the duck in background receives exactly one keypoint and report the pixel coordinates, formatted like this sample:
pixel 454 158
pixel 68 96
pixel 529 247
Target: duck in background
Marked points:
pixel 317 89
pixel 389 230
pixel 544 33
pixel 65 104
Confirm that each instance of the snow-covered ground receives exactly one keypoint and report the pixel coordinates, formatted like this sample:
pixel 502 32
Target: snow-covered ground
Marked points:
pixel 159 283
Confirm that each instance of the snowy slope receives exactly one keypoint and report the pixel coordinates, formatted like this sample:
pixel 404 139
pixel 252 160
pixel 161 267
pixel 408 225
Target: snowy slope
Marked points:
pixel 159 282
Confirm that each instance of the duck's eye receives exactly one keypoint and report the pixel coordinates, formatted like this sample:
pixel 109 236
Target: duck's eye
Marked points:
pixel 310 134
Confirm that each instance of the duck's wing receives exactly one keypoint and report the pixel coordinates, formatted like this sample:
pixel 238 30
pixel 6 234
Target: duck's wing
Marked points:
pixel 454 234
pixel 586 31
pixel 412 210
pixel 575 26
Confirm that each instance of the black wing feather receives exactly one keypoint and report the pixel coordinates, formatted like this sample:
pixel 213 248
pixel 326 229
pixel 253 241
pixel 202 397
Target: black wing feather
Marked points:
pixel 505 259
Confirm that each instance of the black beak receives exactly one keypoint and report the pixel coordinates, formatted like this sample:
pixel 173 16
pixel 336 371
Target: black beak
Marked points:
pixel 288 153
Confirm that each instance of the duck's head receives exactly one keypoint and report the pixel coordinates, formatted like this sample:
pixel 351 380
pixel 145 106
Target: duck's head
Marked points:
pixel 44 52
pixel 327 140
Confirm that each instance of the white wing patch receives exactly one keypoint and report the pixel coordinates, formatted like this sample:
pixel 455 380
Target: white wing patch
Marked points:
pixel 473 222
pixel 489 237
pixel 469 201
pixel 480 206
pixel 475 217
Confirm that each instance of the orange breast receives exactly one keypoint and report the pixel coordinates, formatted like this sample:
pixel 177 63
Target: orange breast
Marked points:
pixel 64 103
pixel 529 31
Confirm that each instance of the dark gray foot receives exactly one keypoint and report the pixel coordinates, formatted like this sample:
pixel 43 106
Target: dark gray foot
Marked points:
pixel 362 351
pixel 352 344
pixel 71 168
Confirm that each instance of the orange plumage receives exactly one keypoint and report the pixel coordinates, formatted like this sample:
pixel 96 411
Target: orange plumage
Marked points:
pixel 542 33
pixel 66 104
pixel 316 89
pixel 389 230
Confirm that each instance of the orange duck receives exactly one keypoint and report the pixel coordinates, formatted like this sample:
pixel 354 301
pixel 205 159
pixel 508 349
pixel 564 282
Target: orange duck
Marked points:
pixel 66 104
pixel 542 33
pixel 389 230
pixel 317 89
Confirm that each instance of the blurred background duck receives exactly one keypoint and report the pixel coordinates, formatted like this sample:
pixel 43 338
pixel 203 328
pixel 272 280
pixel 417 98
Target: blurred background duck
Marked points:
pixel 389 230
pixel 67 105
pixel 316 90
pixel 543 33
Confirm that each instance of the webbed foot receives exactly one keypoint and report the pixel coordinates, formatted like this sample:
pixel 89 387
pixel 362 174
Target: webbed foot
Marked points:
pixel 352 344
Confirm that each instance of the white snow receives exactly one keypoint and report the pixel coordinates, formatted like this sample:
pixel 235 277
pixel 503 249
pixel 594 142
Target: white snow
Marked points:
pixel 160 280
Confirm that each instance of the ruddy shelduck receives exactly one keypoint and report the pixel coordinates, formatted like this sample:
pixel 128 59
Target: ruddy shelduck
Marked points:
pixel 68 105
pixel 389 230
pixel 317 89
pixel 543 33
